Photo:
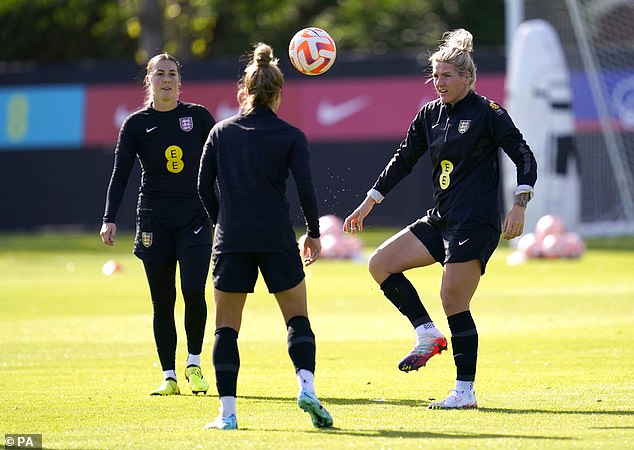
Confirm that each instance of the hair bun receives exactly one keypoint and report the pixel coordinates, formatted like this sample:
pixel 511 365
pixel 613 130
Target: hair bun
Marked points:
pixel 460 39
pixel 263 54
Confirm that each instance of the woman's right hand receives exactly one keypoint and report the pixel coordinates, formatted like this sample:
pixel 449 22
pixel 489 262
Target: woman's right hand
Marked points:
pixel 355 220
pixel 311 249
pixel 108 232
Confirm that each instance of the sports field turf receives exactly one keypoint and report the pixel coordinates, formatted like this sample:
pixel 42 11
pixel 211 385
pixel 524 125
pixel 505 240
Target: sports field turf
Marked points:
pixel 556 362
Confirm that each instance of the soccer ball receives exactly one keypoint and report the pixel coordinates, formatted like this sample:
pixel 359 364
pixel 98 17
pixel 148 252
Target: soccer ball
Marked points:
pixel 549 224
pixel 553 246
pixel 312 51
pixel 529 246
pixel 573 246
pixel 330 225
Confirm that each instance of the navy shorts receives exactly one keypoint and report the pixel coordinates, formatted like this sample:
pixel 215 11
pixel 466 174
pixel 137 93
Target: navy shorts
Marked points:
pixel 455 247
pixel 238 272
pixel 163 238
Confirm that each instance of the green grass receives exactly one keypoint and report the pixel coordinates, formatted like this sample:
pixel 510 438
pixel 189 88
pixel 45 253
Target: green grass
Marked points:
pixel 556 362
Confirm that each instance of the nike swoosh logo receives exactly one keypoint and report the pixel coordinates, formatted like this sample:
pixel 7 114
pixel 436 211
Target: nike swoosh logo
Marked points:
pixel 120 114
pixel 147 130
pixel 329 113
pixel 225 110
pixel 463 242
pixel 198 230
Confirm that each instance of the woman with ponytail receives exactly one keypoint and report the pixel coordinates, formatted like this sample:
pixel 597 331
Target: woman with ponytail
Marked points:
pixel 462 132
pixel 242 183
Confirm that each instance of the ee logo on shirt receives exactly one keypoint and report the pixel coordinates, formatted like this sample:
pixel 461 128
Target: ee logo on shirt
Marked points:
pixel 446 169
pixel 174 156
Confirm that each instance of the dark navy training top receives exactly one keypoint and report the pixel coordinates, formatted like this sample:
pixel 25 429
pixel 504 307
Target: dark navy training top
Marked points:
pixel 463 142
pixel 242 182
pixel 168 145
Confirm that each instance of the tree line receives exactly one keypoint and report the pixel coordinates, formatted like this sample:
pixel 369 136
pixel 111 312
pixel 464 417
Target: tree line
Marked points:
pixel 47 31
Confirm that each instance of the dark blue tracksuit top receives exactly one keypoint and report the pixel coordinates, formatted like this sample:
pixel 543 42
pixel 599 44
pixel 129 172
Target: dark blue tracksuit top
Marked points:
pixel 245 164
pixel 463 142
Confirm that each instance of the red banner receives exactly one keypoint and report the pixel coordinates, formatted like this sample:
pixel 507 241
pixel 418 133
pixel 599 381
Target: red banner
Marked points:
pixel 327 110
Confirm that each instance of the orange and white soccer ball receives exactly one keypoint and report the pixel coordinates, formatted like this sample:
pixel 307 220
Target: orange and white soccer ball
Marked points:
pixel 312 51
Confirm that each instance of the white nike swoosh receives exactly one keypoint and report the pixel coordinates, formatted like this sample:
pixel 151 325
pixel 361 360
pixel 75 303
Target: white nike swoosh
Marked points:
pixel 463 242
pixel 330 114
pixel 120 114
pixel 225 110
pixel 198 230
pixel 147 130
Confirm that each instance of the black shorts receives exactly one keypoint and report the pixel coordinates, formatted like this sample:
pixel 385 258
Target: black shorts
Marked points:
pixel 163 238
pixel 451 247
pixel 238 272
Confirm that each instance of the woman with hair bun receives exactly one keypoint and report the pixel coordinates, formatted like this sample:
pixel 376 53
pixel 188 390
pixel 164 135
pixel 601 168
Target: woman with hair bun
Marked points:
pixel 462 132
pixel 242 183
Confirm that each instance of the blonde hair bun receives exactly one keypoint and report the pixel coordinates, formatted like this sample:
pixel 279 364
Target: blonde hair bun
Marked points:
pixel 459 39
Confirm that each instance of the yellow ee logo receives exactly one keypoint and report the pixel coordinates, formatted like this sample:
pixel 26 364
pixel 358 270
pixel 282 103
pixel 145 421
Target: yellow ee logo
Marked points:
pixel 17 117
pixel 446 168
pixel 174 156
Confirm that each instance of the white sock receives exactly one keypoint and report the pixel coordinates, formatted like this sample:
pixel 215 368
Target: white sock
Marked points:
pixel 306 381
pixel 169 374
pixel 193 360
pixel 426 330
pixel 464 386
pixel 227 406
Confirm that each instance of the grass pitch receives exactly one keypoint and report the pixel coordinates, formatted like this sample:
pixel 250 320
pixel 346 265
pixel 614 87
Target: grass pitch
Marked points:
pixel 555 369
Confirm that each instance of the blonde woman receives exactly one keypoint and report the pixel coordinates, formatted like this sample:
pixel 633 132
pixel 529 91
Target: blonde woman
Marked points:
pixel 462 132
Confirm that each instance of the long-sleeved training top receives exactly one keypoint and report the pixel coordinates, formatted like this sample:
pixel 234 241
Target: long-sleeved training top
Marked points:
pixel 463 142
pixel 242 182
pixel 168 145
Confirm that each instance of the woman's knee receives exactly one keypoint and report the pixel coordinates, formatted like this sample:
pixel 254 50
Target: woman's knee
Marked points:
pixel 377 266
pixel 455 298
pixel 195 299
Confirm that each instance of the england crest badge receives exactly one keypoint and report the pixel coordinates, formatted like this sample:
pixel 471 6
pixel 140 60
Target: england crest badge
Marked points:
pixel 186 123
pixel 146 238
pixel 463 126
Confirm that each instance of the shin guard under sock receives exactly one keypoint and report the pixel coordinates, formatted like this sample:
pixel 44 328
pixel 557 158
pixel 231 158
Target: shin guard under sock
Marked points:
pixel 403 295
pixel 226 359
pixel 301 343
pixel 464 342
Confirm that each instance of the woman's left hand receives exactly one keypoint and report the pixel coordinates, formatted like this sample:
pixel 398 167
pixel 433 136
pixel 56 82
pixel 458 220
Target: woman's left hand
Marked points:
pixel 514 222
